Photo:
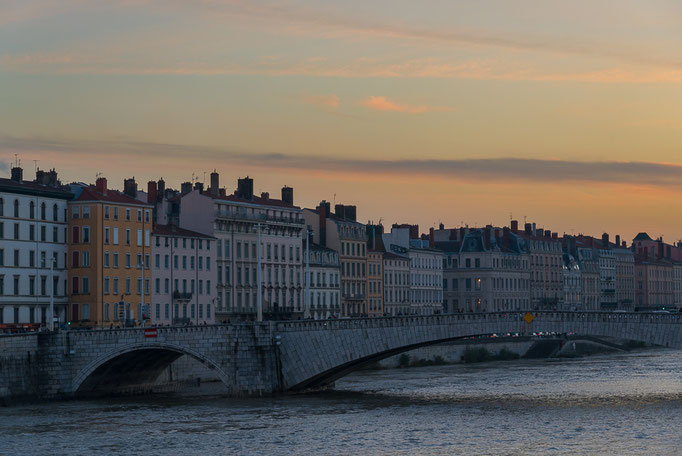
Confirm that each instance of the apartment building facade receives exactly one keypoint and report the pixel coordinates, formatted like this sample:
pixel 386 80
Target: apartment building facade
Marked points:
pixel 109 256
pixel 33 249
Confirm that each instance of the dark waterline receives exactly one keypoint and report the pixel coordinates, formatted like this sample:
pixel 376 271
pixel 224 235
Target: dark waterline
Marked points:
pixel 606 405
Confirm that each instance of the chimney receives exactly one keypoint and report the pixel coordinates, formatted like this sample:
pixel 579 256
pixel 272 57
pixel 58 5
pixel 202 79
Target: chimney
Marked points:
pixel 41 177
pixel 506 241
pixel 514 226
pixel 528 229
pixel 222 192
pixel 185 188
pixel 487 234
pixel 215 183
pixel 555 236
pixel 605 240
pixel 101 185
pixel 534 229
pixel 245 188
pixel 432 241
pixel 414 231
pixel 617 240
pixel 323 210
pixel 548 234
pixel 130 187
pixel 151 192
pixel 161 185
pixel 351 213
pixel 52 180
pixel 288 195
pixel 659 244
pixel 199 186
pixel 441 227
pixel 625 244
pixel 265 195
pixel 668 251
pixel 540 232
pixel 462 233
pixel 17 174
pixel 340 211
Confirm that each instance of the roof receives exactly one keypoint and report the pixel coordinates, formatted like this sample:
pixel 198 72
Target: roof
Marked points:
pixel 318 247
pixel 33 188
pixel 254 200
pixel 333 217
pixel 90 193
pixel 393 256
pixel 172 230
pixel 642 237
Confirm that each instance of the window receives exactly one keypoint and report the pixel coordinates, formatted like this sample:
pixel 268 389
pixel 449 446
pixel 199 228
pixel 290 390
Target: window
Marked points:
pixel 157 285
pixel 127 236
pixel 106 285
pixel 16 208
pixel 139 238
pixel 106 234
pixel 16 257
pixel 86 212
pixel 86 284
pixel 115 286
pixel 75 212
pixel 139 215
pixel 86 259
pixel 106 212
pixel 127 285
pixel 157 261
pixel 116 259
pixel 31 232
pixel 16 231
pixel 55 234
pixel 32 210
pixel 86 234
pixel 43 211
pixel 43 233
pixel 2 207
pixel 115 213
pixel 115 235
pixel 128 214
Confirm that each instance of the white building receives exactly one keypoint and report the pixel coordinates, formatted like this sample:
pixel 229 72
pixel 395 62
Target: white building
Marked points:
pixel 235 221
pixel 325 283
pixel 185 276
pixel 33 234
pixel 396 284
pixel 426 270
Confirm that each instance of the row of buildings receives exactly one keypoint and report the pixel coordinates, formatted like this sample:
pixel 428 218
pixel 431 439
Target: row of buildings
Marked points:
pixel 103 257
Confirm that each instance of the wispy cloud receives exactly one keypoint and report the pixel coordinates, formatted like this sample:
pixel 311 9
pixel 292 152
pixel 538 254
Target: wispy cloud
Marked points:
pixel 498 170
pixel 377 103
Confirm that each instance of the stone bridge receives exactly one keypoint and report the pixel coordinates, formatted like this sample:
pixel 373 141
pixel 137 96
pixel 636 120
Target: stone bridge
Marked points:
pixel 269 357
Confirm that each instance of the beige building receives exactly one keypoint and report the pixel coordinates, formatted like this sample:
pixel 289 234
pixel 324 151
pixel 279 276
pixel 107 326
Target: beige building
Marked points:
pixel 396 284
pixel 340 231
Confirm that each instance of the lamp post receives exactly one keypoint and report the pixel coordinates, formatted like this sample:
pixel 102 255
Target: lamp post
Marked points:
pixel 51 325
pixel 306 302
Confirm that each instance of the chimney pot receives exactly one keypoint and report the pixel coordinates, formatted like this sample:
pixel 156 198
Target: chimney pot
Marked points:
pixel 17 174
pixel 101 185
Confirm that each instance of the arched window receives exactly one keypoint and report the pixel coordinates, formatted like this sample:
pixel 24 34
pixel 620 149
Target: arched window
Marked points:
pixel 43 211
pixel 16 208
pixel 32 210
pixel 55 213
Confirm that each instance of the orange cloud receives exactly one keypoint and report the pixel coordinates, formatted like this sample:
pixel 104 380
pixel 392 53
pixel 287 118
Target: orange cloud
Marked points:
pixel 384 104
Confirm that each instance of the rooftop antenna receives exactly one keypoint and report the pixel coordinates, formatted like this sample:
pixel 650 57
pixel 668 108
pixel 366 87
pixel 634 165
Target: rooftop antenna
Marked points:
pixel 524 219
pixel 98 175
pixel 16 160
pixel 511 217
pixel 334 199
pixel 204 176
pixel 35 165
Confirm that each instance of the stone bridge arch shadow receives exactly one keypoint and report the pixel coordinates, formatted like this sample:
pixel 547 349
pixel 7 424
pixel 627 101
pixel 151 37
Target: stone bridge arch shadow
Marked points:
pixel 328 377
pixel 134 367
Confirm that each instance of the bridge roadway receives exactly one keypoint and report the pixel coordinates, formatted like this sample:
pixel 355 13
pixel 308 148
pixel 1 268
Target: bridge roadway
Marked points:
pixel 269 357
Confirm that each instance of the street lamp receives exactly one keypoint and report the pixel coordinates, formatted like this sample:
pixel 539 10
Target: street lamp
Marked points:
pixel 259 296
pixel 306 303
pixel 51 325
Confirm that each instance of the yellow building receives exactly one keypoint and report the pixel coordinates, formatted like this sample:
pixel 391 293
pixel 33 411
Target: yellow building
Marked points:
pixel 109 241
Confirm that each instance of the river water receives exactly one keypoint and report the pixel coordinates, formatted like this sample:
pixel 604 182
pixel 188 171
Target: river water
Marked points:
pixel 602 405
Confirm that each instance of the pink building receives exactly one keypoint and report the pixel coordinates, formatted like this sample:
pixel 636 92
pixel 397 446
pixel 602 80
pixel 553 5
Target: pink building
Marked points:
pixel 185 276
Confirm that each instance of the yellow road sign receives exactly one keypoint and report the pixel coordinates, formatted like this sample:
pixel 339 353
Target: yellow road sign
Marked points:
pixel 528 317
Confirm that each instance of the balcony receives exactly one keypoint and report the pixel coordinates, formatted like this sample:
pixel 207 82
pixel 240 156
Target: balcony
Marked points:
pixel 182 296
pixel 259 218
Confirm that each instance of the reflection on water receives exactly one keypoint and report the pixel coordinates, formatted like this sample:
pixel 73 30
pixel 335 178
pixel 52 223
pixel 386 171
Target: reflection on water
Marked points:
pixel 606 405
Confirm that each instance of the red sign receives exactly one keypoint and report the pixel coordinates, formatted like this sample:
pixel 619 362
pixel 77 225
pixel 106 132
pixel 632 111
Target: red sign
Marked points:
pixel 149 333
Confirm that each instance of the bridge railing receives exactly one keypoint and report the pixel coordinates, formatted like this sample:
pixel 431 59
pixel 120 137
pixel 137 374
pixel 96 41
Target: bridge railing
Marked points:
pixel 407 321
pixel 429 320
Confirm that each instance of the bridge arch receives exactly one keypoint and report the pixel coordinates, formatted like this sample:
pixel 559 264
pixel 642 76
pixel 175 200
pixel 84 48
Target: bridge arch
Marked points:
pixel 137 364
pixel 315 354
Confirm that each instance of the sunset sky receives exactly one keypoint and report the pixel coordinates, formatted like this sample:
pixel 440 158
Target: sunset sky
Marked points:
pixel 567 113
